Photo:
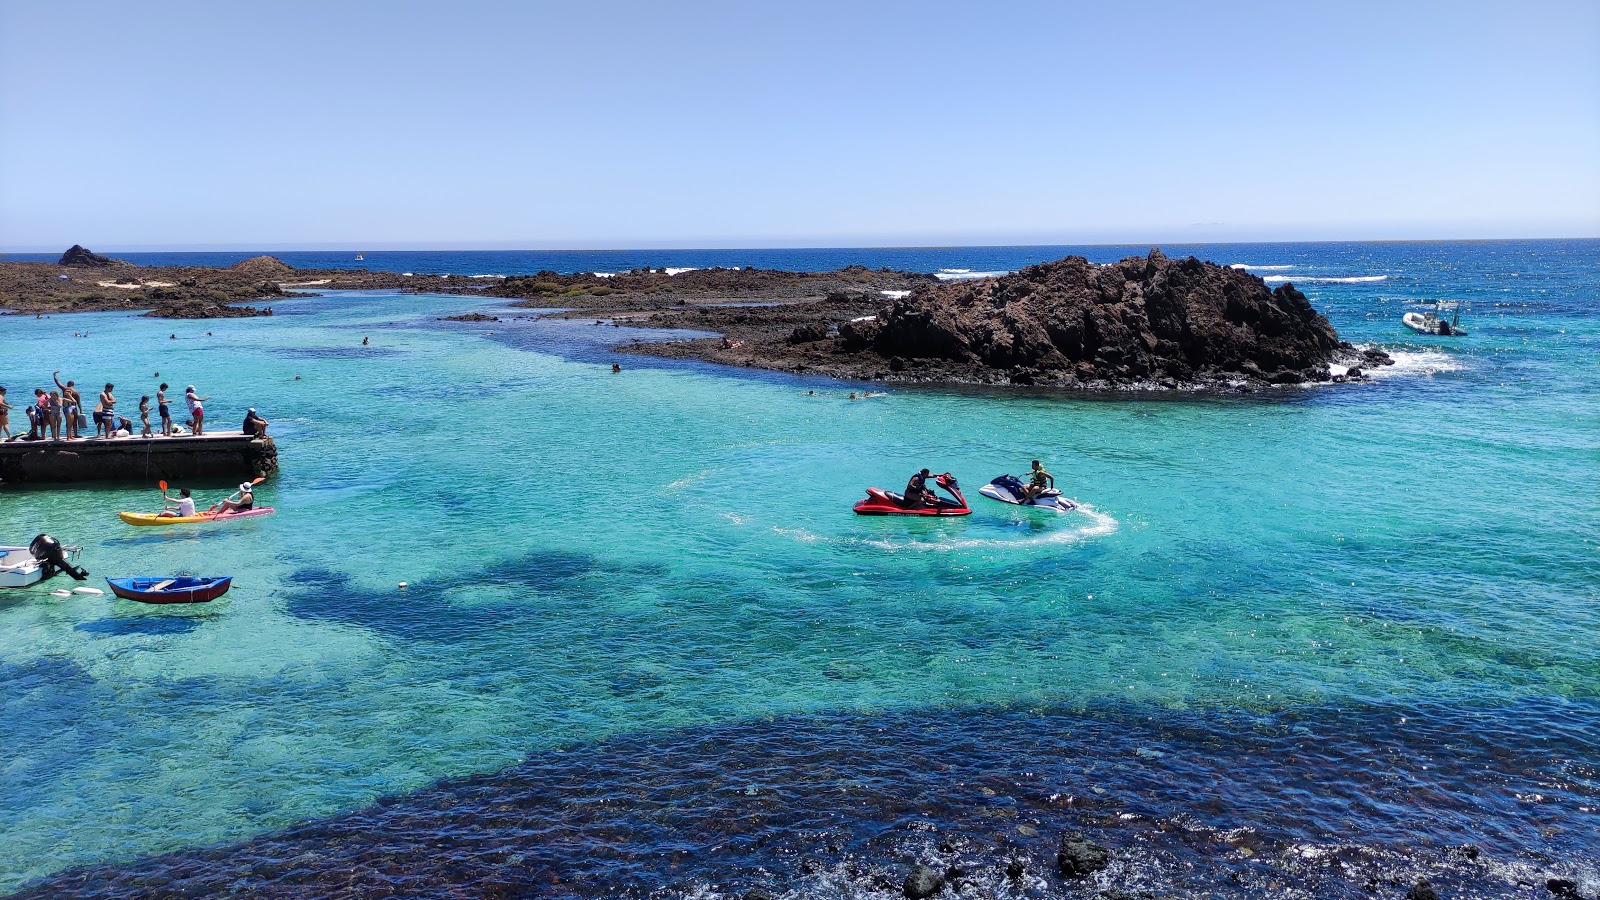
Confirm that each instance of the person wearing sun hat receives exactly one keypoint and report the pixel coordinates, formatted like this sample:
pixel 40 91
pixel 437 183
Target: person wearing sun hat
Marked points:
pixel 246 501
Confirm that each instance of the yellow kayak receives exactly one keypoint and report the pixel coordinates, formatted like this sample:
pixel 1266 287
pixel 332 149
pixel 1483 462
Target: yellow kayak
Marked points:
pixel 133 518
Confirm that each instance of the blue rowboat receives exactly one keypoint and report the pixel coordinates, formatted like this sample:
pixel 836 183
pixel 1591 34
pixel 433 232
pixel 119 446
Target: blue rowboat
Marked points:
pixel 171 589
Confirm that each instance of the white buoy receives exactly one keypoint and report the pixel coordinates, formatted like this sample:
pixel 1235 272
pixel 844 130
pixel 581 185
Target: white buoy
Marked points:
pixel 88 590
pixel 61 593
pixel 403 585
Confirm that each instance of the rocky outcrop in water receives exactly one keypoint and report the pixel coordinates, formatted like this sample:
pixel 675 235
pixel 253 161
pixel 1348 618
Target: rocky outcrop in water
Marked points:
pixel 1149 320
pixel 1143 323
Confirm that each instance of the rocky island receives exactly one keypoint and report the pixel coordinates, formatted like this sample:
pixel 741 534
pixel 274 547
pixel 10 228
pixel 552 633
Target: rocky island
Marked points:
pixel 1142 323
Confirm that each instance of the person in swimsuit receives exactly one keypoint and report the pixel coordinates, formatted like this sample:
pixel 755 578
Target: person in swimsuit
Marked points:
pixel 917 493
pixel 144 415
pixel 1039 481
pixel 5 416
pixel 105 413
pixel 246 502
pixel 180 508
pixel 73 403
pixel 195 409
pixel 164 410
pixel 53 414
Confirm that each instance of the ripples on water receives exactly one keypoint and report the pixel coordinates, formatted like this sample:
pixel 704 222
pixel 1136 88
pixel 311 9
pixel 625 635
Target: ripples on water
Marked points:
pixel 1315 802
pixel 1293 643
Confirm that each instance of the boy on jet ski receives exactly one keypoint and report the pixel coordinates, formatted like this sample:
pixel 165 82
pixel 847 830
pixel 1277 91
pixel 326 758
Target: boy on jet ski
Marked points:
pixel 1039 481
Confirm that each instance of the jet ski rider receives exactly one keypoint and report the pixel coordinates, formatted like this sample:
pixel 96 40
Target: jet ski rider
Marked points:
pixel 1039 481
pixel 918 493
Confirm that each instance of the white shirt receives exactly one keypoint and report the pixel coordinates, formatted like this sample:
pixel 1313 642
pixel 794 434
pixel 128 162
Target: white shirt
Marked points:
pixel 194 401
pixel 185 506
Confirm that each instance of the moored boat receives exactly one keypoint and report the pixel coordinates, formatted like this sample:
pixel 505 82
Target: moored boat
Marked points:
pixel 171 589
pixel 40 560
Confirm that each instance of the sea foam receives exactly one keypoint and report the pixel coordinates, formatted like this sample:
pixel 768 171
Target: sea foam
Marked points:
pixel 966 274
pixel 1354 279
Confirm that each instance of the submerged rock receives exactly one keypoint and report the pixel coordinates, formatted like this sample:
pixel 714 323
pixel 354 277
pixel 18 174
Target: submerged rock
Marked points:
pixel 924 881
pixel 1079 857
pixel 1422 890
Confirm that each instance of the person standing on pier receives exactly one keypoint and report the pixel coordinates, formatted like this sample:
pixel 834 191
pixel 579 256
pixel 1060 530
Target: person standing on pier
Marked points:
pixel 72 403
pixel 164 410
pixel 5 416
pixel 195 409
pixel 105 413
pixel 144 415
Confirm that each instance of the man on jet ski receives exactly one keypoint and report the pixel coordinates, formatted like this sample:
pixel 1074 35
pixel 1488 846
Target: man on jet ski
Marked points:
pixel 1039 481
pixel 918 494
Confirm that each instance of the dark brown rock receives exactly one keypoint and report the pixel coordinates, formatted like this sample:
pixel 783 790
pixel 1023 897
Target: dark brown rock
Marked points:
pixel 1078 857
pixel 80 257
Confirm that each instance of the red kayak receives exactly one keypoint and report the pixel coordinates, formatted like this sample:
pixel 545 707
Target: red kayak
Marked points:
pixel 880 502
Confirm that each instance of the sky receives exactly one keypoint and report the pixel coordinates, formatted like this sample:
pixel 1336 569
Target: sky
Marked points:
pixel 598 124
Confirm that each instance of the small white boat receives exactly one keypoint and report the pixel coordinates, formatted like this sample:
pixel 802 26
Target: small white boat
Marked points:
pixel 1005 489
pixel 359 257
pixel 20 566
pixel 1435 321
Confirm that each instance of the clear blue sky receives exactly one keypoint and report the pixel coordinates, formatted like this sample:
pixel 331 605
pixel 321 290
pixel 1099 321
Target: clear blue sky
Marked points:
pixel 607 124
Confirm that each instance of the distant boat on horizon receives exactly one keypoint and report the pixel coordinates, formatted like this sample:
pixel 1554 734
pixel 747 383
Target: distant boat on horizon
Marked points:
pixel 359 257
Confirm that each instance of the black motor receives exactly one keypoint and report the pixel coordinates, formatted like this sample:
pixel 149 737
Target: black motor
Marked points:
pixel 49 551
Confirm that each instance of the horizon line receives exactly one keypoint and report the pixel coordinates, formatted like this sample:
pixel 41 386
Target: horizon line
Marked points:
pixel 419 248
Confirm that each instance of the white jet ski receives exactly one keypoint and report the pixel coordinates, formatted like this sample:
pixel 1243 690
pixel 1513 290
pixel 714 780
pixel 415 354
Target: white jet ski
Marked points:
pixel 1008 489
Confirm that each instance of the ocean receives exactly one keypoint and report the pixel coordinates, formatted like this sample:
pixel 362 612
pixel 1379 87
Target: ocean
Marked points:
pixel 1313 642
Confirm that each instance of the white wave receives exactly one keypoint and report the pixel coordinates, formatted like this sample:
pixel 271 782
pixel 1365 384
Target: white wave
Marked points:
pixel 604 274
pixel 1416 362
pixel 486 276
pixel 1099 525
pixel 1299 279
pixel 1262 268
pixel 895 295
pixel 679 270
pixel 966 274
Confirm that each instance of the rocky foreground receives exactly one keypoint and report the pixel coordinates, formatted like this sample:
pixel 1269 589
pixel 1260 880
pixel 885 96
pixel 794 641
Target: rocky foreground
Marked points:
pixel 1143 323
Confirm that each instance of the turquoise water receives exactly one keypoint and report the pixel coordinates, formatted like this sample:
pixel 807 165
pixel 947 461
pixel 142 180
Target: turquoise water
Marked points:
pixel 591 554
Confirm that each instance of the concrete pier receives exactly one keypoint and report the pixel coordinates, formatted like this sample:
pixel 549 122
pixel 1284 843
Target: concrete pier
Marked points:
pixel 138 460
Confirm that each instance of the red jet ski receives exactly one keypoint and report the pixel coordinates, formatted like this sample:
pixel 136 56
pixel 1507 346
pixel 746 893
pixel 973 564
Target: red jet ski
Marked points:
pixel 880 502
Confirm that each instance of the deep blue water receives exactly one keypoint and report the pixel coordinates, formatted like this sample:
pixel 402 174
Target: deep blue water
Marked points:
pixel 1307 643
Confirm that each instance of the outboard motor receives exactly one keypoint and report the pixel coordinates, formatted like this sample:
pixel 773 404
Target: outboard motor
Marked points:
pixel 49 551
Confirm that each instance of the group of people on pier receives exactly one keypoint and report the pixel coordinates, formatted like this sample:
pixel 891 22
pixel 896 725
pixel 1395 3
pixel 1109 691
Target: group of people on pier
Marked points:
pixel 59 415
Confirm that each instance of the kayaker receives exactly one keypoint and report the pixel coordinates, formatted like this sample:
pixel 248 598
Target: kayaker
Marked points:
pixel 254 425
pixel 181 508
pixel 917 493
pixel 1039 481
pixel 246 501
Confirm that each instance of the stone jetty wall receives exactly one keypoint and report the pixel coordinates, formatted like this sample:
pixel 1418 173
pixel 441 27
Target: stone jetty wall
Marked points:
pixel 138 460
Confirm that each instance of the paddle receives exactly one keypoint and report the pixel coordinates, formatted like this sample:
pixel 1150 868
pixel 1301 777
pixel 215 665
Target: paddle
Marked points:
pixel 214 506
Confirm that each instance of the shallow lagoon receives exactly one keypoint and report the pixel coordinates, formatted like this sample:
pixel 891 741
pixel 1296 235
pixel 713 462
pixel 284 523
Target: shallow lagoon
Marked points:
pixel 594 555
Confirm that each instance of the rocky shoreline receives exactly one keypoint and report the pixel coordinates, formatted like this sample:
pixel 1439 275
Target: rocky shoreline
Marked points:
pixel 84 281
pixel 1145 323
